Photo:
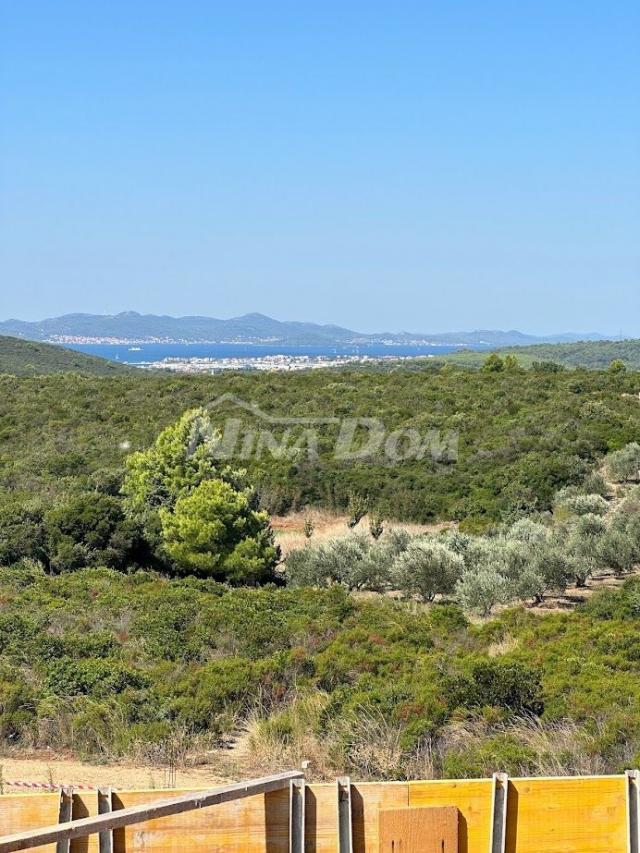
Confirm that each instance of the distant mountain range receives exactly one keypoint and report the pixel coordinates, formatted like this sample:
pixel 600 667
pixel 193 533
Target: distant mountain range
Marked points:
pixel 131 327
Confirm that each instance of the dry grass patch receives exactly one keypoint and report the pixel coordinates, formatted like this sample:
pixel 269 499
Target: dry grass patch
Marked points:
pixel 290 535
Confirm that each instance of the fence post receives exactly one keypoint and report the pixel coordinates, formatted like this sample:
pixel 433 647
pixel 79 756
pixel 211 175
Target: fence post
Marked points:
pixel 296 815
pixel 65 814
pixel 105 805
pixel 499 793
pixel 345 827
pixel 632 778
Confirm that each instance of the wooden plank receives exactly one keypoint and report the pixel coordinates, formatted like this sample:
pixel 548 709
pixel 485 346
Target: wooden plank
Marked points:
pixel 85 803
pixel 22 811
pixel 573 815
pixel 570 815
pixel 472 798
pixel 366 800
pixel 419 830
pixel 256 824
pixel 135 814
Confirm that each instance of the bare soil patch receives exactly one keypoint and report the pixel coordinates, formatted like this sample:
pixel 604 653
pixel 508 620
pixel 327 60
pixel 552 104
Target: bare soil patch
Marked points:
pixel 47 768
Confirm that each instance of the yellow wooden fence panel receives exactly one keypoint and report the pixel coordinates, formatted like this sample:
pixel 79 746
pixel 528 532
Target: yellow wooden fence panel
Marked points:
pixel 552 815
pixel 27 811
pixel 472 797
pixel 251 825
pixel 321 823
pixel 567 815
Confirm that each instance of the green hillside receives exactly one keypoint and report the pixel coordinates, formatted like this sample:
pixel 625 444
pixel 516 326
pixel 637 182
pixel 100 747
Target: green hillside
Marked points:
pixel 141 664
pixel 28 358
pixel 594 355
pixel 522 434
pixel 108 665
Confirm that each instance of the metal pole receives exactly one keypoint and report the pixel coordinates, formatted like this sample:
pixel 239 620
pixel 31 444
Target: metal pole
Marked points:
pixel 105 806
pixel 499 793
pixel 633 810
pixel 345 827
pixel 296 815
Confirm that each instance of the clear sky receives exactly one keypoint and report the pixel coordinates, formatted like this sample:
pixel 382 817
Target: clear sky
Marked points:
pixel 383 165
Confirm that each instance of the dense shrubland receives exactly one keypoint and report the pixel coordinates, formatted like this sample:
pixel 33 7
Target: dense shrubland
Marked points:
pixel 523 435
pixel 34 358
pixel 180 509
pixel 108 665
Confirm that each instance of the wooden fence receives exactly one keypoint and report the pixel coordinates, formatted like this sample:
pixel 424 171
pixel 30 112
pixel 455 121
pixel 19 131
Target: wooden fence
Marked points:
pixel 593 814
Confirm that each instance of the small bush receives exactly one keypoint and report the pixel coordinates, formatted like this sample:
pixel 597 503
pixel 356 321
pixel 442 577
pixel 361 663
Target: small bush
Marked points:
pixel 506 684
pixel 624 465
pixel 583 504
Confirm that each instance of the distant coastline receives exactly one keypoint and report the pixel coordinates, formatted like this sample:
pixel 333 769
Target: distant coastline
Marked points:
pixel 81 340
pixel 132 329
pixel 213 357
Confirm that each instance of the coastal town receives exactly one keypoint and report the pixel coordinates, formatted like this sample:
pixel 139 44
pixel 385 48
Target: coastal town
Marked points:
pixel 267 362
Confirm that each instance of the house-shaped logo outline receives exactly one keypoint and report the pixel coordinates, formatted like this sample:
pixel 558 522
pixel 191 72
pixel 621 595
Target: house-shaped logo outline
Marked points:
pixel 254 409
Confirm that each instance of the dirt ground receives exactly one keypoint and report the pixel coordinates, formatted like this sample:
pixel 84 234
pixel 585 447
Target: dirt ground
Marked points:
pixel 575 595
pixel 47 768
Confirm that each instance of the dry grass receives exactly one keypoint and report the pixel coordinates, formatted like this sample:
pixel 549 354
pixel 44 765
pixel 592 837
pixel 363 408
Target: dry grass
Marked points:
pixel 502 647
pixel 369 747
pixel 288 738
pixel 560 748
pixel 289 529
pixel 363 744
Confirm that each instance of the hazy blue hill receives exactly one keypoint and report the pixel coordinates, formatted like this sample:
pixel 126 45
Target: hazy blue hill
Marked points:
pixel 131 325
pixel 249 328
pixel 28 358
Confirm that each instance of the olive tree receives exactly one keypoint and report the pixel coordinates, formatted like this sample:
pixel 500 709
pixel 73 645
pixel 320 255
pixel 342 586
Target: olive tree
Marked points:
pixel 528 531
pixel 595 484
pixel 480 590
pixel 624 465
pixel 553 564
pixel 353 561
pixel 616 551
pixel 583 545
pixel 582 504
pixel 427 568
pixel 626 520
pixel 303 568
pixel 393 543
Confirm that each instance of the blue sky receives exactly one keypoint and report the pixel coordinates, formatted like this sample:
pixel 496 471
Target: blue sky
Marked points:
pixel 382 165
